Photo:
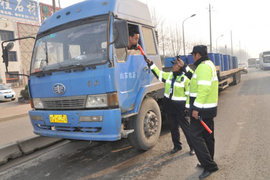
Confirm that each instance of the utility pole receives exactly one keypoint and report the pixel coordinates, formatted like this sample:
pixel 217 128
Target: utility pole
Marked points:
pixel 59 5
pixel 53 2
pixel 210 27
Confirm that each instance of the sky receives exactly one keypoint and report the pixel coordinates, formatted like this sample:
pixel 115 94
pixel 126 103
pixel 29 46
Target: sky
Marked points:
pixel 247 20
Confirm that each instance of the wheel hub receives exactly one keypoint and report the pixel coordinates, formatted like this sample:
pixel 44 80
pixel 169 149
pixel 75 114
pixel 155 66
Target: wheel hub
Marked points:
pixel 150 124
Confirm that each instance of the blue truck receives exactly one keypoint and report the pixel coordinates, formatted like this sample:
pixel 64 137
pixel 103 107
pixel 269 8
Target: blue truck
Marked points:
pixel 84 83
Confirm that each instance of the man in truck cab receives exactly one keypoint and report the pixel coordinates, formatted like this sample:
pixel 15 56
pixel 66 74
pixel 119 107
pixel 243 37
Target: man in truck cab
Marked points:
pixel 176 92
pixel 133 40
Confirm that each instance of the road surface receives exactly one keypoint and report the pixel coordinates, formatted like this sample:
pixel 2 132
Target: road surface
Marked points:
pixel 242 147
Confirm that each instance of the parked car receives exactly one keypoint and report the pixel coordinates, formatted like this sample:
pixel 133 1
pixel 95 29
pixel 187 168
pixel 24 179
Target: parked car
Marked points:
pixel 6 93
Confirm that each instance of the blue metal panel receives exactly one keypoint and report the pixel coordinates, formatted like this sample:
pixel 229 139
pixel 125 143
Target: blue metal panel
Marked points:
pixel 168 61
pixel 184 58
pixel 190 59
pixel 131 76
pixel 229 62
pixel 221 63
pixel 226 62
pixel 124 9
pixel 217 59
pixel 78 11
pixel 110 127
pixel 93 81
pixel 212 57
pixel 234 62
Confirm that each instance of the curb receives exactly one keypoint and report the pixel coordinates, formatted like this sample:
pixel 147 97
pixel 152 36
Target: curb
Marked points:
pixel 12 117
pixel 24 147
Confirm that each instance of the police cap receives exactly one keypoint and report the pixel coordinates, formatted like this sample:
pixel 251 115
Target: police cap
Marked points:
pixel 201 49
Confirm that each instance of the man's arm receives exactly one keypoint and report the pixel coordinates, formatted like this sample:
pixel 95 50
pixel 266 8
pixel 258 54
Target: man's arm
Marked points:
pixel 160 75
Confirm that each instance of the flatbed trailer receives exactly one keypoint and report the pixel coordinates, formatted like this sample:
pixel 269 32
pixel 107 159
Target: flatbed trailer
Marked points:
pixel 230 77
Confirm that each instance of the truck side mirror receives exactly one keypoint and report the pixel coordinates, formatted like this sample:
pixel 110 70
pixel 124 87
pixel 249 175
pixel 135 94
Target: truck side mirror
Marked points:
pixel 5 52
pixel 120 33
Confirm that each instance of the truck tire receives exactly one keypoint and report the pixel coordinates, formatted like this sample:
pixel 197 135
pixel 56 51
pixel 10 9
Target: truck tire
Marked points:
pixel 146 125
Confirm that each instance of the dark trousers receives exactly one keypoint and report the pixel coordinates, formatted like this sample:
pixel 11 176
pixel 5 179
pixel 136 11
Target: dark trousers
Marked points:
pixel 175 121
pixel 203 142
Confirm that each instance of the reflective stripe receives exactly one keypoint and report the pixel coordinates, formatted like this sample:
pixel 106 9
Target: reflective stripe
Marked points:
pixel 179 98
pixel 187 93
pixel 187 106
pixel 169 81
pixel 213 70
pixel 187 68
pixel 193 94
pixel 202 82
pixel 179 84
pixel 194 76
pixel 153 66
pixel 160 76
pixel 205 105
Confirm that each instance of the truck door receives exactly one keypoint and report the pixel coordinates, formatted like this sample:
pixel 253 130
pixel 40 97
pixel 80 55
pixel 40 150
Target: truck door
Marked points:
pixel 131 75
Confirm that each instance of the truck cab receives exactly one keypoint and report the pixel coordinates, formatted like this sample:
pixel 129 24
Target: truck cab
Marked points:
pixel 84 82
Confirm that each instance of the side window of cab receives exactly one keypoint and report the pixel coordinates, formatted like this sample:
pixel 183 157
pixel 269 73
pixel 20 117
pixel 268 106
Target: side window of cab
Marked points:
pixel 134 39
pixel 149 41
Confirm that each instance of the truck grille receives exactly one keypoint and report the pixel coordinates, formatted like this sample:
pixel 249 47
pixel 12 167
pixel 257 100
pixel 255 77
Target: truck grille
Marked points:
pixel 73 102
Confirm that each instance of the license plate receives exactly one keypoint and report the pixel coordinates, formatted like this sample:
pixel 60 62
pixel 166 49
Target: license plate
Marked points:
pixel 58 118
pixel 9 96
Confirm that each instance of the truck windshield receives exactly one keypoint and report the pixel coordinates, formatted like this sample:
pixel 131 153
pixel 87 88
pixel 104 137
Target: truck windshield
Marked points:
pixel 80 45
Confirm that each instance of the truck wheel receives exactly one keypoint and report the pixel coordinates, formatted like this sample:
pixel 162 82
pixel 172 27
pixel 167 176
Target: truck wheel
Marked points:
pixel 146 125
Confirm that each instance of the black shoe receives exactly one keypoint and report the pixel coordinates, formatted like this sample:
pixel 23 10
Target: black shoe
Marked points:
pixel 176 149
pixel 199 165
pixel 191 152
pixel 207 173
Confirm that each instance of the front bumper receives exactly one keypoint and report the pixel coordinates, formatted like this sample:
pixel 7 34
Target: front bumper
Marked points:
pixel 107 130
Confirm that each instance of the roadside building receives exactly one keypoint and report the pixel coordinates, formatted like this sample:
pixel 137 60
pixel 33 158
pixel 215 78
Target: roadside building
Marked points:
pixel 20 18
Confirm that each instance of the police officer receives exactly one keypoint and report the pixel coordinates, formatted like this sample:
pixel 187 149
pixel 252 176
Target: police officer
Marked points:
pixel 203 104
pixel 175 100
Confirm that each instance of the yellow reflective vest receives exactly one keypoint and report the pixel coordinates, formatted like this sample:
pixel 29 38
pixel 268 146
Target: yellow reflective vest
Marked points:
pixel 180 89
pixel 204 85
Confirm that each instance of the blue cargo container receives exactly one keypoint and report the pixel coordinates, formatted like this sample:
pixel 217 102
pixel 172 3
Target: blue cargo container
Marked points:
pixel 221 63
pixel 217 59
pixel 190 59
pixel 234 62
pixel 212 57
pixel 225 62
pixel 184 58
pixel 168 61
pixel 229 62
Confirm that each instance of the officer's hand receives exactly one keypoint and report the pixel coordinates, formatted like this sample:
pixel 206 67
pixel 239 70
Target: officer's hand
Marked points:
pixel 186 112
pixel 149 62
pixel 195 114
pixel 180 62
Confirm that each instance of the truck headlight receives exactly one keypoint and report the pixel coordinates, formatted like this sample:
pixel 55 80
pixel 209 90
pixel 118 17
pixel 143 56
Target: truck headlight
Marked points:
pixel 37 103
pixel 102 100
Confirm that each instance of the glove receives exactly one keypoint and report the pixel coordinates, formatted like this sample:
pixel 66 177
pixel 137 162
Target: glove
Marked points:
pixel 149 62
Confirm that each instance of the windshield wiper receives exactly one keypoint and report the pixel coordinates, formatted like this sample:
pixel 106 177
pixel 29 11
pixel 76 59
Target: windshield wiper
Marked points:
pixel 74 67
pixel 43 73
